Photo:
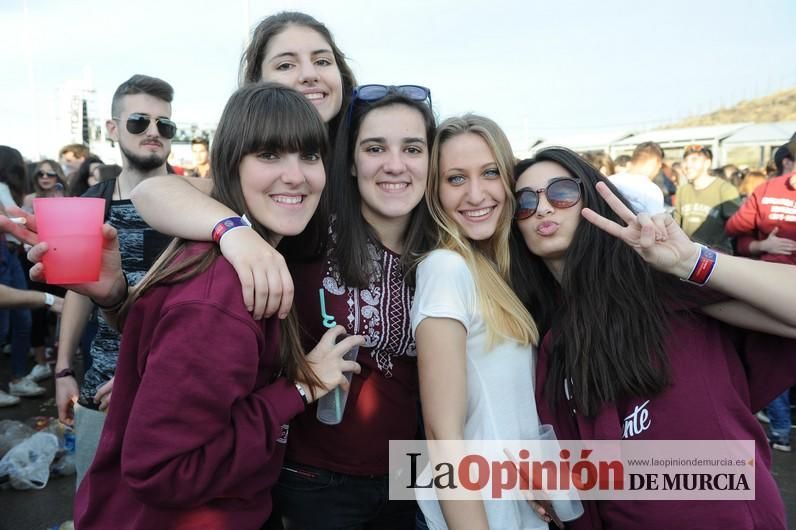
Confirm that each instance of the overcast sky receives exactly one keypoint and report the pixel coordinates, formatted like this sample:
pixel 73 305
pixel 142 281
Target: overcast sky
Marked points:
pixel 538 68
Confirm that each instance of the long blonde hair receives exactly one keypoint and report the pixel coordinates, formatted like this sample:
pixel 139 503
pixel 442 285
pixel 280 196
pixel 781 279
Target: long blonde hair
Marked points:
pixel 489 260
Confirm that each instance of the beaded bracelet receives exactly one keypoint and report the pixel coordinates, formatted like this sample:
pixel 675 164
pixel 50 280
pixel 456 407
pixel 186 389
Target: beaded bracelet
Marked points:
pixel 703 268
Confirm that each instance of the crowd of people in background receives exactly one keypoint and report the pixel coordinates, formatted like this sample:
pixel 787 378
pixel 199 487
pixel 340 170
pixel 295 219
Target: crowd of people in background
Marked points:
pixel 378 202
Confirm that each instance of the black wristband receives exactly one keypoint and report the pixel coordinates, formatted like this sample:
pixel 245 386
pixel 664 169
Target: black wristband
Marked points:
pixel 66 372
pixel 118 305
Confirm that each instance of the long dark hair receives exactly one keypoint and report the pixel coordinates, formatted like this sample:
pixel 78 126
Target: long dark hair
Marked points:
pixel 79 182
pixel 609 314
pixel 251 63
pixel 354 234
pixel 13 172
pixel 257 118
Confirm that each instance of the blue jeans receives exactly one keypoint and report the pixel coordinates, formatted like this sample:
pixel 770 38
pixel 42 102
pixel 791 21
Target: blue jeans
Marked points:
pixel 19 320
pixel 778 411
pixel 308 498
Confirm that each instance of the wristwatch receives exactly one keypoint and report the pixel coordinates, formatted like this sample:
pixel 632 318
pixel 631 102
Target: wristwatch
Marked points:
pixel 66 372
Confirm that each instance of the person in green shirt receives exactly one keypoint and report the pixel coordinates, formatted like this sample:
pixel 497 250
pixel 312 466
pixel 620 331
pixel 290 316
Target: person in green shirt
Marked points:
pixel 704 204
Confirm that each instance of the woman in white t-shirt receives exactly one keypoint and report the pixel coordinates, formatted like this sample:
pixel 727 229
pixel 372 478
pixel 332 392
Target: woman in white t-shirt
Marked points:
pixel 475 341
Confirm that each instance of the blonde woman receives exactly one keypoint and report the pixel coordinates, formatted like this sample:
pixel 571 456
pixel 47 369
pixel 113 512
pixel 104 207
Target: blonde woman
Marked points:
pixel 475 341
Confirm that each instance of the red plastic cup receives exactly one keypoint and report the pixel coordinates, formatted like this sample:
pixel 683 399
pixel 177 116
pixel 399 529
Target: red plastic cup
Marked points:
pixel 72 228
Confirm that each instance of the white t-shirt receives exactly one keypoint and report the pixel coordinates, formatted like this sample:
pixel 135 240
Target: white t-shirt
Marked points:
pixel 643 194
pixel 500 397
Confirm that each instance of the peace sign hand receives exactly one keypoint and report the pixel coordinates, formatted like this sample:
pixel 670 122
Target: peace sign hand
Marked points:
pixel 657 239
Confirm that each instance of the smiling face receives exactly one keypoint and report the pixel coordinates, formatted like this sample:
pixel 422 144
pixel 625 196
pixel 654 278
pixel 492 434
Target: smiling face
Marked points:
pixel 391 164
pixel 471 190
pixel 282 190
pixel 696 165
pixel 299 57
pixel 548 233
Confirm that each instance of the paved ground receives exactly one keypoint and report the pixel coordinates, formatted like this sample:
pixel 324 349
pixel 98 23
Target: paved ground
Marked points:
pixel 44 509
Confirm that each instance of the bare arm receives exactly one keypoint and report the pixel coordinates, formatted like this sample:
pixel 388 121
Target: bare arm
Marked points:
pixel 442 368
pixel 77 309
pixel 769 287
pixel 181 207
pixel 11 298
pixel 743 315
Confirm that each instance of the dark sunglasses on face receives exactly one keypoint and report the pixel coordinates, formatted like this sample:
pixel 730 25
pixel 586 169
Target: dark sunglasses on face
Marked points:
pixel 48 174
pixel 139 123
pixel 371 93
pixel 562 192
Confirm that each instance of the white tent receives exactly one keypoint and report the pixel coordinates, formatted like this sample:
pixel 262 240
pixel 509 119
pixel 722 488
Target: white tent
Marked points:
pixel 598 140
pixel 764 136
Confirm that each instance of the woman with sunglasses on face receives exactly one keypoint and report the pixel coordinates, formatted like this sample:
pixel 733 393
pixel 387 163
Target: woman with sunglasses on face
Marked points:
pixel 292 49
pixel 44 180
pixel 475 341
pixel 195 437
pixel 622 333
pixel 47 180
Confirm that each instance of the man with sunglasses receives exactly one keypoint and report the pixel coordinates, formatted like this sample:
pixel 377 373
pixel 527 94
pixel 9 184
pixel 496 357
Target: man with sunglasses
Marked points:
pixel 141 124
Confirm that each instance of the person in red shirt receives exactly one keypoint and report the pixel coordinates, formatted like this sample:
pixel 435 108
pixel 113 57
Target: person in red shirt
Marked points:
pixel 622 333
pixel 765 226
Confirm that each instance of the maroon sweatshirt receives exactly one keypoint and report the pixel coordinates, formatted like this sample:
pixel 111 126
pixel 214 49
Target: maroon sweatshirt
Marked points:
pixel 195 436
pixel 771 205
pixel 716 387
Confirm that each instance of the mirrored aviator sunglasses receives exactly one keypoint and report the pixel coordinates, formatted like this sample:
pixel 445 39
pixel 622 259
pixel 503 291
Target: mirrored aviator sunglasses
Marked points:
pixel 562 192
pixel 371 93
pixel 376 92
pixel 139 123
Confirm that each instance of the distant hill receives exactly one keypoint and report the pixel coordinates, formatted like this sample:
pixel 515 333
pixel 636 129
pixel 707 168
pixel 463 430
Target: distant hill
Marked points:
pixel 780 106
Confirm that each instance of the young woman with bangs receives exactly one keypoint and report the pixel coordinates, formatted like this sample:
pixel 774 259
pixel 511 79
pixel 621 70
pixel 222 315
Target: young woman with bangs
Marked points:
pixel 475 341
pixel 625 337
pixel 203 393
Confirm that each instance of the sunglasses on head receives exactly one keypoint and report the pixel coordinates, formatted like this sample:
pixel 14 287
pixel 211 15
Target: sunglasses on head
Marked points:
pixel 139 123
pixel 371 93
pixel 562 192
pixel 376 92
pixel 49 174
